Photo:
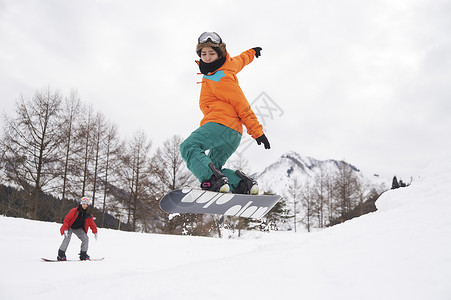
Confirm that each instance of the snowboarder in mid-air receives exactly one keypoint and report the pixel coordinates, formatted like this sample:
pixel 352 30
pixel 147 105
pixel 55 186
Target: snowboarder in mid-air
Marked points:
pixel 77 221
pixel 225 110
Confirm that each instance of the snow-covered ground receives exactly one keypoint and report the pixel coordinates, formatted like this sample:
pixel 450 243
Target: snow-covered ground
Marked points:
pixel 402 251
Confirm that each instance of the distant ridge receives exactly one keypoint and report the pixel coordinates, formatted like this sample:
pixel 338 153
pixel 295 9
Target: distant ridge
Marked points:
pixel 278 175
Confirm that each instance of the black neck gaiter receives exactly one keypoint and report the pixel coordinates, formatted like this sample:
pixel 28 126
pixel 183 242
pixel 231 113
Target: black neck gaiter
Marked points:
pixel 211 67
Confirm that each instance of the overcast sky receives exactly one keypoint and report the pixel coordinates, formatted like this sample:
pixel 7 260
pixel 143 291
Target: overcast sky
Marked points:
pixel 368 82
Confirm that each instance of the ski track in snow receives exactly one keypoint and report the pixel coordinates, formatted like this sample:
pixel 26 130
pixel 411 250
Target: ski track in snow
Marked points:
pixel 402 251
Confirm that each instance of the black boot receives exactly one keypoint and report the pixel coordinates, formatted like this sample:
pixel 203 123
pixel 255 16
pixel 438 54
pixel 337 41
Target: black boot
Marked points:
pixel 61 255
pixel 246 185
pixel 84 255
pixel 217 182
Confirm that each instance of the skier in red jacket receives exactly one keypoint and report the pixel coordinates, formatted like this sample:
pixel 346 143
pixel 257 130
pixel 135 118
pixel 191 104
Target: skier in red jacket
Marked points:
pixel 77 221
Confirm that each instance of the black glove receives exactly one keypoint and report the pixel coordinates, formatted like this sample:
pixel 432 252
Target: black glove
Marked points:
pixel 257 51
pixel 264 140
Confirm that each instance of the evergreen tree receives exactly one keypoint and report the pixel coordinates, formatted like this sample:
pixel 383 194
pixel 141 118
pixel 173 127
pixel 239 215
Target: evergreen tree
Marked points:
pixel 395 183
pixel 278 214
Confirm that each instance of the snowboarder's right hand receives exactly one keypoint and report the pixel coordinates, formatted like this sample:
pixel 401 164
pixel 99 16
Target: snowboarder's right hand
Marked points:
pixel 66 233
pixel 264 140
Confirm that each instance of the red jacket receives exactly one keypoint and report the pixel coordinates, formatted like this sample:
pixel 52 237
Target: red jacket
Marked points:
pixel 72 216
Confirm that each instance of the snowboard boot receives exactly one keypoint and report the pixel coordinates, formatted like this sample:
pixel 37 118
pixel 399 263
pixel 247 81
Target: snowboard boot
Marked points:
pixel 218 182
pixel 61 255
pixel 84 255
pixel 246 185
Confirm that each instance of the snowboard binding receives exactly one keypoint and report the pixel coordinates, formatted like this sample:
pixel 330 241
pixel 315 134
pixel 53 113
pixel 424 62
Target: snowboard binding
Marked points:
pixel 247 185
pixel 61 255
pixel 218 182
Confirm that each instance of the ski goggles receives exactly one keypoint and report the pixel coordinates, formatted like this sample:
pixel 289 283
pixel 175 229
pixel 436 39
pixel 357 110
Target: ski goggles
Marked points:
pixel 84 200
pixel 212 36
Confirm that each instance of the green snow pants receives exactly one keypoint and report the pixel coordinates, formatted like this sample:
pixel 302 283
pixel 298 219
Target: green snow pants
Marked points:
pixel 221 141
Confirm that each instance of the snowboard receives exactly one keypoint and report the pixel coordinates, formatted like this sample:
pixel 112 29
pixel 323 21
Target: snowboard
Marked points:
pixel 197 201
pixel 55 260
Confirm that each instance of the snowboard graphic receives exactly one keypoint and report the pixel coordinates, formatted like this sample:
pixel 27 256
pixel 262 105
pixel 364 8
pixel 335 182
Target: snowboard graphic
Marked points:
pixel 198 201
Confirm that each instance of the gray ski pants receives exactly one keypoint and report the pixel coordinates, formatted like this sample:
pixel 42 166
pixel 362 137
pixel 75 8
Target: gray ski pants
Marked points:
pixel 81 234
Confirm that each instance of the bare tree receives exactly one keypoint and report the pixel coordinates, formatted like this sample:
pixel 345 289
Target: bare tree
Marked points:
pixel 323 186
pixel 294 195
pixel 170 167
pixel 86 140
pixel 308 200
pixel 239 162
pixel 362 192
pixel 346 191
pixel 99 132
pixel 71 111
pixel 328 189
pixel 112 147
pixel 32 142
pixel 136 178
pixel 170 173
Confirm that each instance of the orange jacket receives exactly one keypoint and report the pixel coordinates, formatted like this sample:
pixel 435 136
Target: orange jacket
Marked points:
pixel 222 100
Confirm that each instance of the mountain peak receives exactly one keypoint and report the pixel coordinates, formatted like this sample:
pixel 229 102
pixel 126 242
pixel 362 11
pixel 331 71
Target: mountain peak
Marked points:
pixel 305 161
pixel 278 175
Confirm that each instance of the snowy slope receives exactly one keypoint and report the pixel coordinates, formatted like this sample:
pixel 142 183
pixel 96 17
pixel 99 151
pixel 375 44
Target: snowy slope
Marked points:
pixel 278 176
pixel 402 251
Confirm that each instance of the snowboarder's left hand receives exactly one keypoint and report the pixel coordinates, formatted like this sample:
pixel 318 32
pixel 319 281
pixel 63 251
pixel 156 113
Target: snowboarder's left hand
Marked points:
pixel 66 233
pixel 257 51
pixel 96 236
pixel 264 140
